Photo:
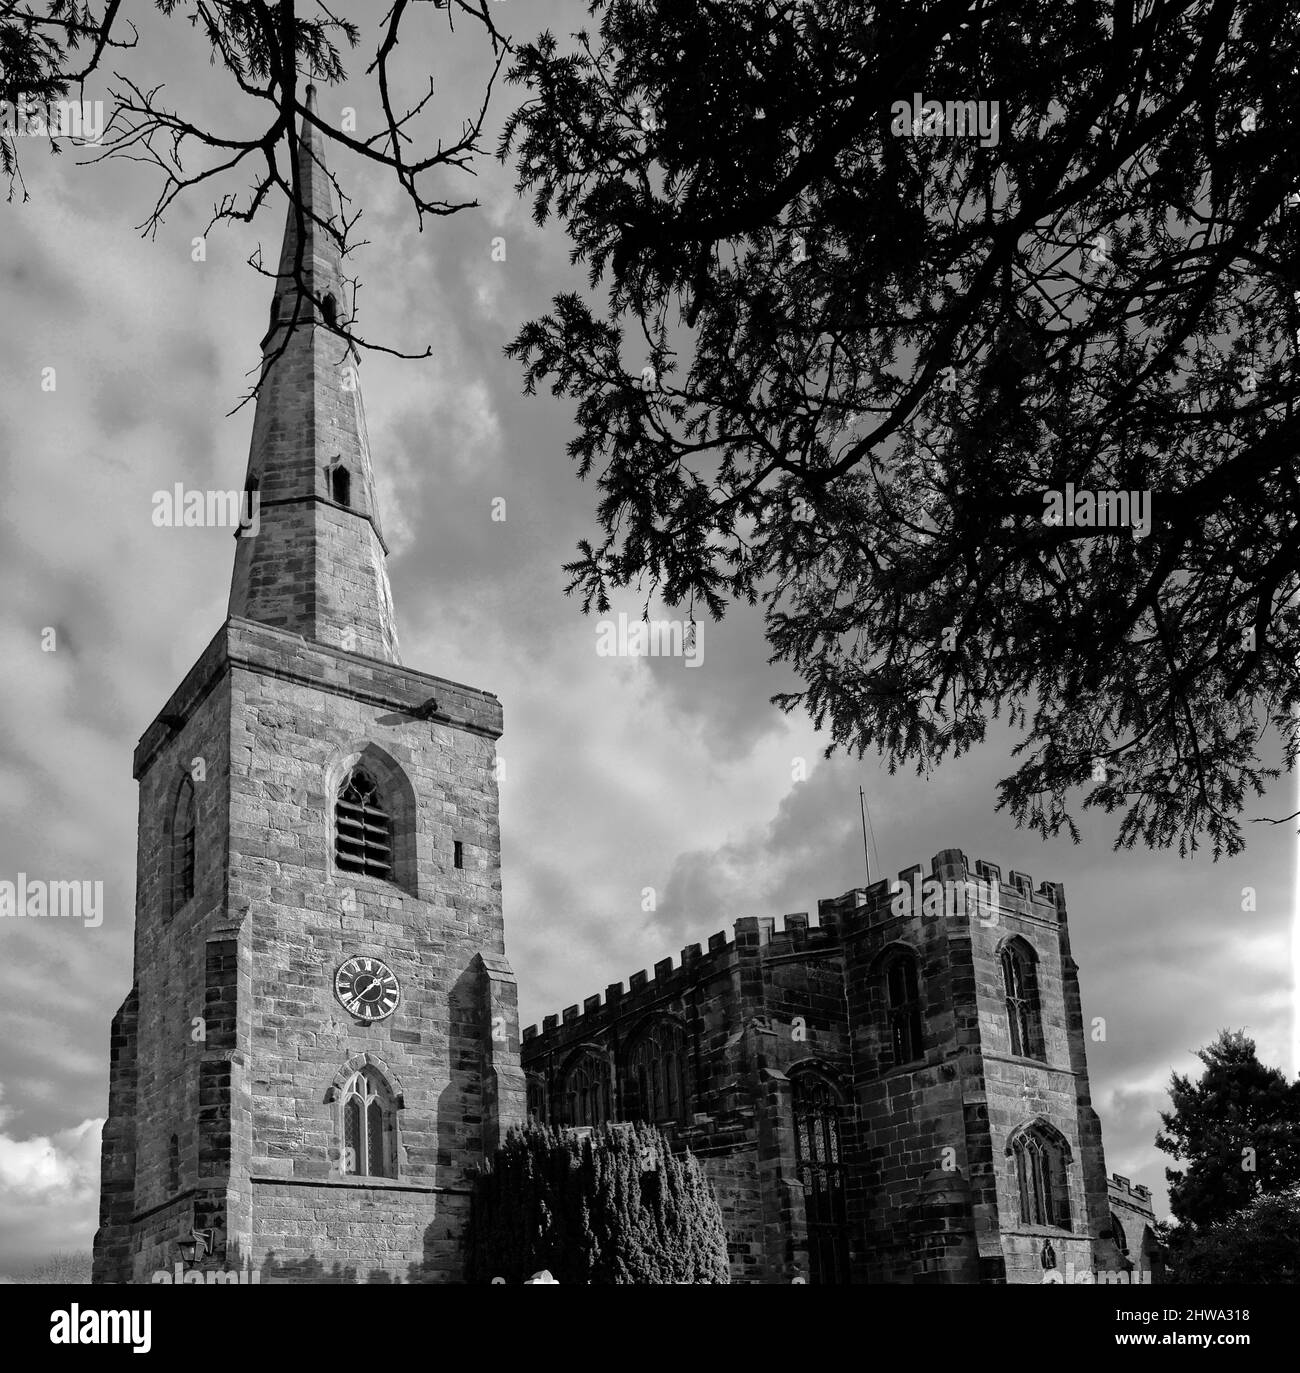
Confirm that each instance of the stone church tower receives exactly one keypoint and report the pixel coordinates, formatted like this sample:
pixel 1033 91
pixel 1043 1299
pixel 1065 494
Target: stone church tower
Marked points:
pixel 321 1040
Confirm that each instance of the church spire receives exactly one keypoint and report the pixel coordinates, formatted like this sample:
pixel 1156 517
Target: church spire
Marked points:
pixel 312 561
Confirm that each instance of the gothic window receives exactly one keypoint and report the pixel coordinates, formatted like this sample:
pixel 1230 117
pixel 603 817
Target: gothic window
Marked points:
pixel 367 1126
pixel 903 995
pixel 656 1075
pixel 1117 1232
pixel 183 825
pixel 173 1166
pixel 536 1098
pixel 341 485
pixel 821 1169
pixel 275 311
pixel 1020 987
pixel 1041 1160
pixel 329 308
pixel 587 1091
pixel 363 829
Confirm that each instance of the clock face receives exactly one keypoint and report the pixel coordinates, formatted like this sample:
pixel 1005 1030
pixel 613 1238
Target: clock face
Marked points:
pixel 367 987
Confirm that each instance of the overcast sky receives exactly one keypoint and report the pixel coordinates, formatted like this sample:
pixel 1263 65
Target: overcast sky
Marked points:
pixel 621 774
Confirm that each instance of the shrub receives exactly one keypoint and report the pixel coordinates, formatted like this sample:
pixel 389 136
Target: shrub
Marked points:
pixel 614 1207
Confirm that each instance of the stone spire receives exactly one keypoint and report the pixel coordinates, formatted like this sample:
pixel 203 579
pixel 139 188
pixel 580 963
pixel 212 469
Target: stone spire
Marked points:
pixel 312 561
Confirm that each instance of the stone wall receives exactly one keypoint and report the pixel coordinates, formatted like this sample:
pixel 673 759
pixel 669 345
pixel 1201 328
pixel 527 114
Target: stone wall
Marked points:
pixel 930 1187
pixel 252 957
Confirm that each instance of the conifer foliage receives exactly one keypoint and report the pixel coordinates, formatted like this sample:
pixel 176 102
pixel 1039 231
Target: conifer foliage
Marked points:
pixel 614 1207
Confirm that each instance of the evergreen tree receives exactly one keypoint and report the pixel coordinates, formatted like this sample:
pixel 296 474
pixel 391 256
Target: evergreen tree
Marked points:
pixel 1259 1243
pixel 615 1207
pixel 1238 1128
pixel 835 357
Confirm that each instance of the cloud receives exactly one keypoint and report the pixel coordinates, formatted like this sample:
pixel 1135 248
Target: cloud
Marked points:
pixel 49 1185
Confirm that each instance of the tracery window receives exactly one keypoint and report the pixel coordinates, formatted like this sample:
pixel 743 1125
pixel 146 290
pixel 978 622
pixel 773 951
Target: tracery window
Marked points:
pixel 536 1086
pixel 903 995
pixel 587 1091
pixel 656 1075
pixel 1020 988
pixel 1041 1159
pixel 367 1132
pixel 817 1117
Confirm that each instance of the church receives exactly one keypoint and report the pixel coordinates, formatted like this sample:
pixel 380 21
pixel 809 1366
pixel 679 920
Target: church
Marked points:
pixel 321 1043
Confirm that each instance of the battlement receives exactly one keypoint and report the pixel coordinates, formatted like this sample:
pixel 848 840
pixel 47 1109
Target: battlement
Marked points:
pixel 760 934
pixel 1120 1186
pixel 754 933
pixel 866 906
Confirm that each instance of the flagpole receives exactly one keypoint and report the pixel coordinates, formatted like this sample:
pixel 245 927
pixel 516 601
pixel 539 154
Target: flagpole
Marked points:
pixel 866 857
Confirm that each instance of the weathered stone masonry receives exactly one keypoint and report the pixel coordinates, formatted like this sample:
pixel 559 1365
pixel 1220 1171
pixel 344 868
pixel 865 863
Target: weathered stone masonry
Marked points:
pixel 232 1051
pixel 928 1183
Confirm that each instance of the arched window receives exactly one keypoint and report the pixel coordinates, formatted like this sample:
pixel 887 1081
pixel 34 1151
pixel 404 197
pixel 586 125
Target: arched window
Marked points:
pixel 329 309
pixel 656 1075
pixel 183 827
pixel 536 1086
pixel 250 501
pixel 903 996
pixel 363 830
pixel 1117 1233
pixel 341 485
pixel 367 1133
pixel 275 311
pixel 173 1166
pixel 1020 987
pixel 1041 1157
pixel 821 1169
pixel 587 1091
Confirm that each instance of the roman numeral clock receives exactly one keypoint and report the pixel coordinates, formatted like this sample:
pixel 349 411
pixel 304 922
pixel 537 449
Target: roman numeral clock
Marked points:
pixel 367 988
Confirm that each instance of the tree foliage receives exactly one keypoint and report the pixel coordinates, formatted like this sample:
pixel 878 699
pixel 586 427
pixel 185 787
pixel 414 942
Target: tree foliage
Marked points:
pixel 614 1207
pixel 62 1266
pixel 44 50
pixel 268 50
pixel 845 357
pixel 1237 1129
pixel 1258 1244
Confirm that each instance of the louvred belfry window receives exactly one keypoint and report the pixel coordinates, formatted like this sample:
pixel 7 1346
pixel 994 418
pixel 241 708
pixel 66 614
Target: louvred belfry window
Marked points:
pixel 363 829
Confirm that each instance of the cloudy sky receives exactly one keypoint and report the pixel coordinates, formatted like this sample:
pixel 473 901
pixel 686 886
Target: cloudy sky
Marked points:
pixel 620 774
